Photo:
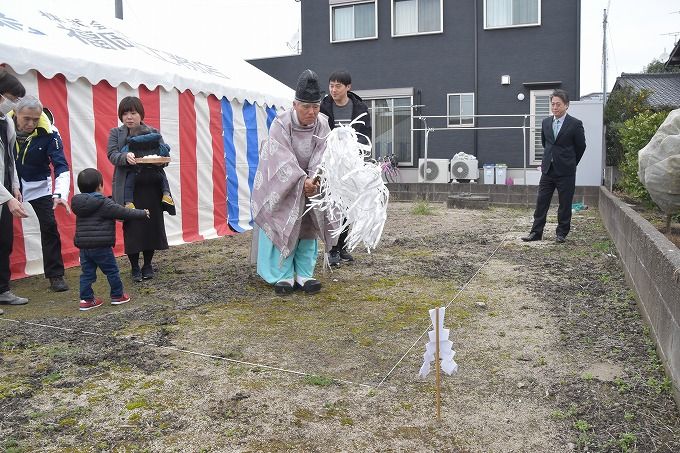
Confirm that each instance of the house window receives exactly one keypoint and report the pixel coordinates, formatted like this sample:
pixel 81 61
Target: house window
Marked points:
pixel 511 13
pixel 392 132
pixel 410 17
pixel 540 109
pixel 353 21
pixel 459 106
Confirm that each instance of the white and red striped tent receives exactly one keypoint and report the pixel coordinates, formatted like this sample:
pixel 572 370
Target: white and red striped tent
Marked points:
pixel 212 118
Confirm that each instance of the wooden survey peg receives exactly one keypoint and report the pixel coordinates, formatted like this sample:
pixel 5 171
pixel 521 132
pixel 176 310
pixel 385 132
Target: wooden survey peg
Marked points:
pixel 440 350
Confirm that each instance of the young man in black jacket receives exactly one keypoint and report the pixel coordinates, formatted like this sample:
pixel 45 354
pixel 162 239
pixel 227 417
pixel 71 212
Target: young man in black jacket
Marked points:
pixel 96 236
pixel 342 107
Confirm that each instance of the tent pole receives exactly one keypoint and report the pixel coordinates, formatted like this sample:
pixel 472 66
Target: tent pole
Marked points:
pixel 119 9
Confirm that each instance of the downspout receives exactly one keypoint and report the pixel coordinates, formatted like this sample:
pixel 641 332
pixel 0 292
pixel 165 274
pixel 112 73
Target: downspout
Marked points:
pixel 476 97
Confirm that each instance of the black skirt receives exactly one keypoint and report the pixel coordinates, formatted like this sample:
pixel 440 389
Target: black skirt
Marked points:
pixel 146 234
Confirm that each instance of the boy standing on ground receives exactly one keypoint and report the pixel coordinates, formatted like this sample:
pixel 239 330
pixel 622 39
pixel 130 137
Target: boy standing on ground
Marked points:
pixel 341 107
pixel 96 235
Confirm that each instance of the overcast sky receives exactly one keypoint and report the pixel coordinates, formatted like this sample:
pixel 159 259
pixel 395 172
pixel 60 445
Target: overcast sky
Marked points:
pixel 639 30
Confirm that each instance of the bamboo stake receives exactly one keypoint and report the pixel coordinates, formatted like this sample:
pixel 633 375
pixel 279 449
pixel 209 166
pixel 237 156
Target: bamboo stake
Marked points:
pixel 437 366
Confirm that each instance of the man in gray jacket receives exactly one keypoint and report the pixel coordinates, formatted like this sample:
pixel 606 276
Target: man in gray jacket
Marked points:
pixel 11 90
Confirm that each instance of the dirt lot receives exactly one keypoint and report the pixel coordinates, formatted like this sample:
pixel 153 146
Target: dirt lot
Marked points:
pixel 552 352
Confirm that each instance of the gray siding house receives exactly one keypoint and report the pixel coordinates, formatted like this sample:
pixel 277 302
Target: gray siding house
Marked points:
pixel 447 60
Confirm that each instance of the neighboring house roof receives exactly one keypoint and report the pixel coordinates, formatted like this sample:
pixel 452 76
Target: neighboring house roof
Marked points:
pixel 674 57
pixel 664 87
pixel 595 96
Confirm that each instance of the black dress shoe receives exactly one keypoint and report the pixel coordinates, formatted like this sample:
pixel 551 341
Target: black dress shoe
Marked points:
pixel 311 286
pixel 560 239
pixel 136 275
pixel 532 237
pixel 283 288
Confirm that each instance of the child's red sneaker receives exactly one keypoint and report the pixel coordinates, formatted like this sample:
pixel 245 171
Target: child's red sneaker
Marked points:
pixel 120 300
pixel 90 304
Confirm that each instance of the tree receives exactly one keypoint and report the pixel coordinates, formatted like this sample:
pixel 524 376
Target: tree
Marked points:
pixel 635 134
pixel 657 66
pixel 622 104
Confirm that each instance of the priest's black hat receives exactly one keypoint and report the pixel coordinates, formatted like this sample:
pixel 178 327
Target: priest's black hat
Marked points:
pixel 307 89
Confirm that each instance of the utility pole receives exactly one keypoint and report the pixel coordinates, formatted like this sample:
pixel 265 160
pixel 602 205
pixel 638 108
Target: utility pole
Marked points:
pixel 604 101
pixel 604 59
pixel 119 9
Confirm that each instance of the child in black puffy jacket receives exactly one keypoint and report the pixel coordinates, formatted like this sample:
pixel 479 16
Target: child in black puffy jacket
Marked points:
pixel 96 235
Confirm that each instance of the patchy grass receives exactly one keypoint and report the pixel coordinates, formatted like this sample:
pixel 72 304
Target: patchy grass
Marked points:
pixel 423 208
pixel 321 381
pixel 198 360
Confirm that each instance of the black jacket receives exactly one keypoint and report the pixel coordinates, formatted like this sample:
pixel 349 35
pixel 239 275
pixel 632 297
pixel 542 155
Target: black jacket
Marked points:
pixel 95 220
pixel 358 107
pixel 564 152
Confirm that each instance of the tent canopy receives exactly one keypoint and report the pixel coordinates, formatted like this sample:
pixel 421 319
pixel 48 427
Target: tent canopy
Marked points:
pixel 213 117
pixel 54 43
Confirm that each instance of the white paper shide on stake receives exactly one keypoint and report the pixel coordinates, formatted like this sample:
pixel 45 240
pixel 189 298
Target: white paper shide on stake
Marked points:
pixel 446 352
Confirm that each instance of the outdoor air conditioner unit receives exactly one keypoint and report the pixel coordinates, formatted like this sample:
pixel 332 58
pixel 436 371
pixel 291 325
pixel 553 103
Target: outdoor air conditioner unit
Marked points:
pixel 437 170
pixel 464 170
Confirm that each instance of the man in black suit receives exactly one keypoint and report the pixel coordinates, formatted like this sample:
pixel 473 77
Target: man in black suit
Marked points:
pixel 564 143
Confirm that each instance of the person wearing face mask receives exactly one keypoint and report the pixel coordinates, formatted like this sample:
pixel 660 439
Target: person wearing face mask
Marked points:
pixel 11 90
pixel 38 148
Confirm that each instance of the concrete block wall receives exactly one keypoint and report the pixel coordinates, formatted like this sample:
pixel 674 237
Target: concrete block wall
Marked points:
pixel 499 194
pixel 652 266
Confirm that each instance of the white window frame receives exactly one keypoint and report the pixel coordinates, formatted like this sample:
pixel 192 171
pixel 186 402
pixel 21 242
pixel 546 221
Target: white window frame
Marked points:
pixel 390 93
pixel 535 126
pixel 497 27
pixel 434 32
pixel 448 112
pixel 332 4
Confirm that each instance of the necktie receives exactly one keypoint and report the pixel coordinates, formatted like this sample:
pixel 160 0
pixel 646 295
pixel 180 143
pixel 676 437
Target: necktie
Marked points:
pixel 556 127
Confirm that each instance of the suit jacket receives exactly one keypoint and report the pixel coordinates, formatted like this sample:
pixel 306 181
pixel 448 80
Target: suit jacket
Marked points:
pixel 564 152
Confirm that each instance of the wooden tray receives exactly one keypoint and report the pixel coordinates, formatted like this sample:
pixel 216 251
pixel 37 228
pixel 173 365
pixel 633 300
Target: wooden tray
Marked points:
pixel 153 160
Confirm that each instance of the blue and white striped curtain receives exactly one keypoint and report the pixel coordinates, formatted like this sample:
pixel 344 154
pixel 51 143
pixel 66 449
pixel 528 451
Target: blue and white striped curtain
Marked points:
pixel 245 127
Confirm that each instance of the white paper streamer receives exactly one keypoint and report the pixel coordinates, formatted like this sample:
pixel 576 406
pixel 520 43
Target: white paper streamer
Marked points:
pixel 352 189
pixel 446 352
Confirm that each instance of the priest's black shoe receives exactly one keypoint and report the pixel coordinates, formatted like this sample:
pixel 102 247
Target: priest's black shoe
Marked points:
pixel 560 239
pixel 532 237
pixel 283 288
pixel 311 286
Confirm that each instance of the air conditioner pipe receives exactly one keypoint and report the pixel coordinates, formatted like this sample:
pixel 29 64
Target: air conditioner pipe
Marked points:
pixel 427 136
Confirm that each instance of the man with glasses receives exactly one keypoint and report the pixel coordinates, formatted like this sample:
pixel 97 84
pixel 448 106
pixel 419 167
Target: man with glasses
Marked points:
pixel 564 143
pixel 39 154
pixel 11 90
pixel 287 245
